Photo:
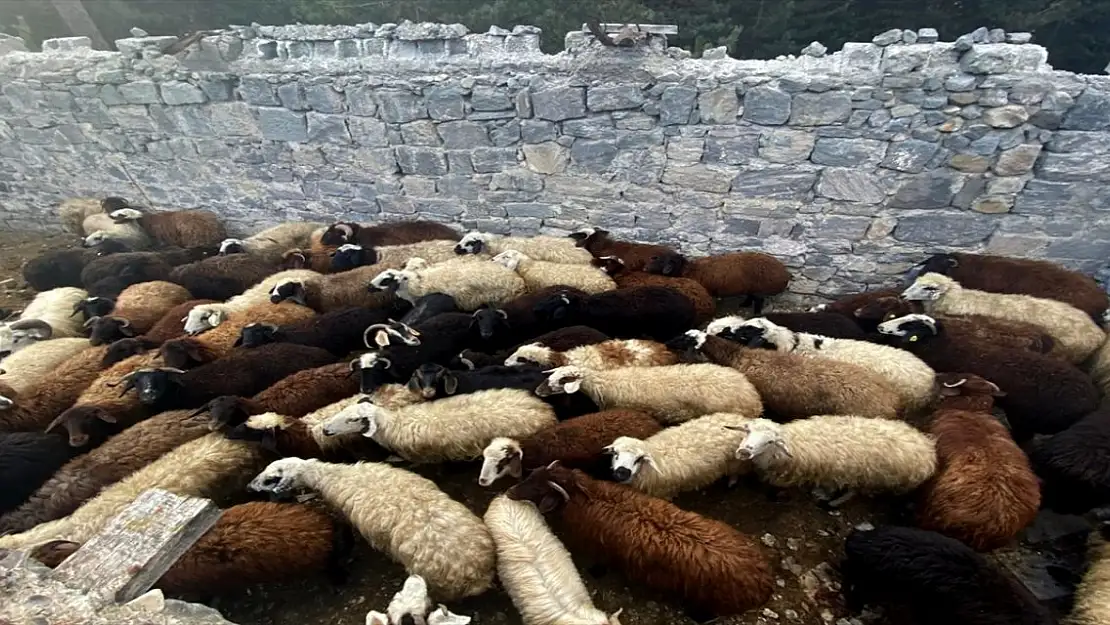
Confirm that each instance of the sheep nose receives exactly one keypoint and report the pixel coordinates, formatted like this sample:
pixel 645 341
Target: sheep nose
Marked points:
pixel 622 474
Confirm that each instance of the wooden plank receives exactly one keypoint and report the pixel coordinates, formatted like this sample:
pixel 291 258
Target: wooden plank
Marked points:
pixel 655 29
pixel 138 546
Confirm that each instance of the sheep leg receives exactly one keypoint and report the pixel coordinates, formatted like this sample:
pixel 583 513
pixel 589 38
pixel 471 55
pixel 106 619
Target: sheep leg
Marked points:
pixel 757 305
pixel 342 552
pixel 832 500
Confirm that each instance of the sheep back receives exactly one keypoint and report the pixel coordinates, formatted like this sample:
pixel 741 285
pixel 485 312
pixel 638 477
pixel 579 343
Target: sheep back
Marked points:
pixel 221 277
pixel 1074 466
pixel 35 409
pixel 471 283
pixel 740 273
pixel 144 304
pixel 172 323
pixel 308 390
pixel 984 491
pixel 705 306
pixel 57 268
pixel 1092 597
pixel 73 211
pixel 186 228
pixel 27 459
pixel 675 393
pixel 35 363
pixel 691 455
pixel 578 443
pixel 538 274
pixel 912 378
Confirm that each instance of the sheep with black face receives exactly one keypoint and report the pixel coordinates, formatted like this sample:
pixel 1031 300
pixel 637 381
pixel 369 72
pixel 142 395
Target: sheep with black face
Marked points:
pixel 544 248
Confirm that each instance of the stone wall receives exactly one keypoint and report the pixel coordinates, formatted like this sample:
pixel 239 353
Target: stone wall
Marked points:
pixel 849 166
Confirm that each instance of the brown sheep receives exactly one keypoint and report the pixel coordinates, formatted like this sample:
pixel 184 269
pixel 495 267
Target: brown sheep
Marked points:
pixel 704 304
pixel 711 567
pixel 285 436
pixel 793 386
pixel 252 543
pixel 754 275
pixel 101 408
pixel 83 477
pixel 578 443
pixel 136 310
pixel 294 396
pixel 170 326
pixel 335 291
pixel 185 228
pixel 634 255
pixel 222 277
pixel 1038 278
pixel 849 304
pixel 990 330
pixel 37 407
pixel 390 233
pixel 184 352
pixel 984 491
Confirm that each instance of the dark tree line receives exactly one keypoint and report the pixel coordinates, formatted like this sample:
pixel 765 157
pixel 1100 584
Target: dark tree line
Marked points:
pixel 1074 31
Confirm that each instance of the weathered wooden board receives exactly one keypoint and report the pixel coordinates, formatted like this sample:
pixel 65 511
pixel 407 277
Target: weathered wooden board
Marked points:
pixel 138 546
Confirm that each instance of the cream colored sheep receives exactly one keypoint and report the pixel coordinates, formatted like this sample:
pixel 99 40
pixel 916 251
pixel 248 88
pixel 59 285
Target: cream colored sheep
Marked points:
pixel 400 514
pixel 101 227
pixel 688 456
pixel 536 569
pixel 472 284
pixel 674 393
pixel 1099 367
pixel 210 466
pixel 1075 332
pixel 207 316
pixel 31 365
pixel 73 211
pixel 1092 597
pixel 550 249
pixel 453 428
pixel 914 380
pixel 397 256
pixel 611 354
pixel 272 242
pixel 49 316
pixel 836 452
pixel 538 274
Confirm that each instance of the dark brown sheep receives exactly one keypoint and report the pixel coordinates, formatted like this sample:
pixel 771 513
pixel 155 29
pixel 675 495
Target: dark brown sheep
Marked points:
pixel 704 303
pixel 136 310
pixel 634 255
pixel 339 331
pixel 222 277
pixel 849 304
pixel 331 292
pixel 1039 278
pixel 83 477
pixel 577 443
pixel 285 436
pixel 984 491
pixel 185 228
pixel 516 320
pixel 562 339
pixel 391 233
pixel 1074 464
pixel 36 408
pixel 293 396
pixel 754 275
pixel 712 568
pixel 252 543
pixel 189 351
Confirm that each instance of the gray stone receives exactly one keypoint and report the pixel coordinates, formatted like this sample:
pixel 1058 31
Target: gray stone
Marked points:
pixel 490 160
pixel 1091 112
pixel 398 107
pixel 1017 161
pixel 990 59
pixel 1058 101
pixel 421 161
pixel 1077 141
pixel 140 92
pixel 996 35
pixel 961 82
pixel 1010 116
pixel 615 98
pixel 766 105
pixel 817 109
pixel 720 106
pixel 368 132
pixel 909 37
pixel 970 163
pixel 980 35
pixel 324 99
pixel 848 152
pixel 1079 248
pixel 780 183
pixel 850 185
pixel 904 59
pixel 698 178
pixel 593 156
pixel 1041 197
pixel 927 35
pixel 928 190
pixel 731 151
pixel 904 110
pixel 546 158
pixel 1019 38
pixel 963 43
pixel 994 97
pixel 179 93
pixel 559 104
pixel 686 150
pixel 992 204
pixel 951 230
pixel 537 131
pixel 292 97
pixel 278 124
pixel 785 146
pixel 887 38
pixel 442 103
pixel 597 127
pixel 1073 167
pixel 257 90
pixel 490 99
pixel 504 135
pixel 420 132
pixel 676 104
pixel 67 44
pixel 463 135
pixel 839 227
pixel 909 156
pixel 815 49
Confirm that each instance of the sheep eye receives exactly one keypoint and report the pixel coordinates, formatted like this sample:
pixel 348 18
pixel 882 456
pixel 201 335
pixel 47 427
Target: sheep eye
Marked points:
pixel 271 481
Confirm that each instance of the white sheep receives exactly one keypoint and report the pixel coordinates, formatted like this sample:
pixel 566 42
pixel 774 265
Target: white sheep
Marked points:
pixel 401 514
pixel 838 452
pixel 538 274
pixel 536 569
pixel 50 315
pixel 914 380
pixel 397 256
pixel 210 466
pixel 546 248
pixel 272 242
pixel 1076 333
pixel 453 428
pixel 673 393
pixel 472 284
pixel 688 456
pixel 207 316
pixel 101 227
pixel 34 363
pixel 611 354
pixel 1099 367
pixel 73 211
pixel 1092 597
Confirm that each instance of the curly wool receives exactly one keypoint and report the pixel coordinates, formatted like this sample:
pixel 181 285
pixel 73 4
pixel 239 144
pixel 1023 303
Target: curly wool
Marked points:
pixel 73 211
pixel 1074 465
pixel 1099 367
pixel 308 390
pixel 1092 597
pixel 472 284
pixel 838 452
pixel 542 247
pixel 739 273
pixel 272 242
pixel 55 307
pixel 144 304
pixel 538 274
pixel 104 394
pixel 221 277
pixel 210 466
pixel 37 362
pixel 1076 333
pixel 688 456
pixel 35 409
pixel 220 341
pixel 536 569
pixel 184 228
pixel 705 306
pixel 409 518
pixel 611 354
pixel 330 292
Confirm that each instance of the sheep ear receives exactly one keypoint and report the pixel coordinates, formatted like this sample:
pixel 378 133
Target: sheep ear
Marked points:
pixel 739 428
pixel 106 416
pixel 450 384
pixel 781 444
pixel 381 339
pixel 573 386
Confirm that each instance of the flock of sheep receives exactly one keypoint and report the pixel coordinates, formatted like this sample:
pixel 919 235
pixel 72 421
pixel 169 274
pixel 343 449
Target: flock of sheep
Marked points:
pixel 587 375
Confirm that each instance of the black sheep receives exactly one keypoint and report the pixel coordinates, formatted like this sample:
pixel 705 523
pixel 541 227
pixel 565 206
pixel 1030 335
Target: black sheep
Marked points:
pixel 27 460
pixel 434 381
pixel 438 340
pixel 222 277
pixel 939 579
pixel 828 324
pixel 559 340
pixel 1074 465
pixel 58 268
pixel 517 322
pixel 650 312
pixel 427 307
pixel 340 331
pixel 110 275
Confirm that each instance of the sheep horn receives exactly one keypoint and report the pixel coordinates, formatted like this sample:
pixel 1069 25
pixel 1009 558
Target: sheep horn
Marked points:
pixel 78 307
pixel 559 489
pixel 366 336
pixel 90 322
pixel 33 324
pixel 954 385
pixel 125 323
pixel 199 411
pixel 126 378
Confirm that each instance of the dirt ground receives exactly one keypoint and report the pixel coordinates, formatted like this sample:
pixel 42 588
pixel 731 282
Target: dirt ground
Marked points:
pixel 802 540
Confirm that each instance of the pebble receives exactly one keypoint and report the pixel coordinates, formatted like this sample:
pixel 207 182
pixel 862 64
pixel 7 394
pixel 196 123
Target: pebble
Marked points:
pixel 769 613
pixel 768 540
pixel 827 616
pixel 790 615
pixel 792 544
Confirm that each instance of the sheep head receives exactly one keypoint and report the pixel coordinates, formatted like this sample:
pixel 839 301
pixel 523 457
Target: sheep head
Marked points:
pixel 629 455
pixel 762 437
pixel 93 307
pixel 429 378
pixel 510 259
pixel 531 354
pixel 490 321
pixel 442 616
pixel 558 306
pixel 227 411
pixel 203 318
pixel 280 477
pixel 27 331
pixel 373 370
pixel 542 487
pixel 113 203
pixel 760 332
pixel 261 429
pixel 78 420
pixel 107 330
pixel 340 233
pixel 186 353
pixel 122 350
pixel 611 265
pixel 967 384
pixel 503 456
pixel 472 243
pixel 349 256
pixel 232 246
pixel 256 334
pixel 411 604
pixel 883 309
pixel 390 333
pixel 294 259
pixel 937 263
pixel 96 238
pixel 125 215
pixel 670 264
pixel 562 380
pixel 929 288
pixel 293 291
pixel 153 384
pixel 588 236
pixel 388 280
pixel 688 344
pixel 911 328
pixel 359 418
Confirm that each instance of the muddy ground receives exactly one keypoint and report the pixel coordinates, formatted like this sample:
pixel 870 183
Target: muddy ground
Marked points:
pixel 803 541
